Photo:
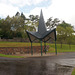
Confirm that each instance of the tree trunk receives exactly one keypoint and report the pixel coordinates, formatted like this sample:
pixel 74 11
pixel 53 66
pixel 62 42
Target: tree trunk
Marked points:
pixel 61 44
pixel 69 46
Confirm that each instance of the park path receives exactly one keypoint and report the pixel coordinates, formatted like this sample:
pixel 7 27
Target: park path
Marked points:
pixel 62 64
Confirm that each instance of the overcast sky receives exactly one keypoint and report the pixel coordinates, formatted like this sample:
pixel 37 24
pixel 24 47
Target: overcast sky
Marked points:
pixel 62 9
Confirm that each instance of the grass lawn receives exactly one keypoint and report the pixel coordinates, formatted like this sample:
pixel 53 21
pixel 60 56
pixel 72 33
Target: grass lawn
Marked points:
pixel 65 47
pixel 73 73
pixel 17 44
pixel 10 56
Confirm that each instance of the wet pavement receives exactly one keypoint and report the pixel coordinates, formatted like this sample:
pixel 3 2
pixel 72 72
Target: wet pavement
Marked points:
pixel 46 65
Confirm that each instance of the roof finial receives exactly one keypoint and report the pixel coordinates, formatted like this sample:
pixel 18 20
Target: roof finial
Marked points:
pixel 42 26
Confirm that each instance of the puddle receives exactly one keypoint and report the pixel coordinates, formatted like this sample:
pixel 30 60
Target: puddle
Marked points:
pixel 40 67
pixel 68 62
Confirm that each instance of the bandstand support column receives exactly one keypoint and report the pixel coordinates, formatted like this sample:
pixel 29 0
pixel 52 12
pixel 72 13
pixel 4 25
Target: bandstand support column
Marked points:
pixel 55 48
pixel 45 46
pixel 41 47
pixel 31 49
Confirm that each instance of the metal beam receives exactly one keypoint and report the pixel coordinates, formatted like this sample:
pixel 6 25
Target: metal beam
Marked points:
pixel 34 39
pixel 45 47
pixel 28 36
pixel 41 47
pixel 55 48
pixel 31 49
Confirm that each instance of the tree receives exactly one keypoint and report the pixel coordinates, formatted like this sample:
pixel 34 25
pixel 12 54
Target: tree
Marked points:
pixel 17 24
pixel 64 25
pixel 34 20
pixel 69 38
pixel 51 23
pixel 60 35
pixel 23 16
pixel 65 33
pixel 17 14
pixel 73 41
pixel 5 30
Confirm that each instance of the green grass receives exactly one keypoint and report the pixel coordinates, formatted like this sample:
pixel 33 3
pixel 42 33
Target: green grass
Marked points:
pixel 65 47
pixel 10 56
pixel 17 44
pixel 73 73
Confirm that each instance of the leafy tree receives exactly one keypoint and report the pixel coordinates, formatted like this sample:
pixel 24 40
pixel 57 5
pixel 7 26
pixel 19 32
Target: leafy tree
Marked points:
pixel 34 20
pixel 64 25
pixel 23 16
pixel 65 33
pixel 60 35
pixel 17 14
pixel 51 23
pixel 73 41
pixel 69 38
pixel 5 30
pixel 17 24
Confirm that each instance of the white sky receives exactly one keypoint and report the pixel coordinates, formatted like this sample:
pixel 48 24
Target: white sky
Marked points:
pixel 62 9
